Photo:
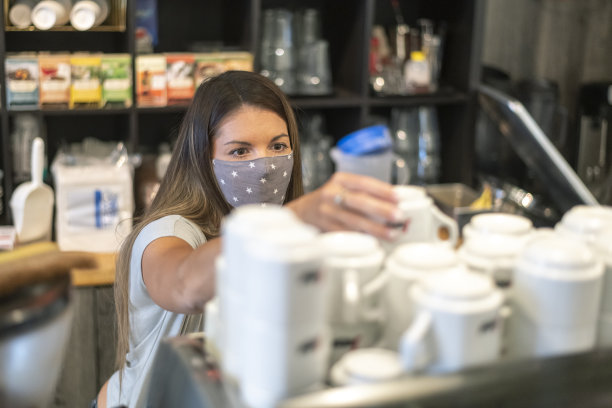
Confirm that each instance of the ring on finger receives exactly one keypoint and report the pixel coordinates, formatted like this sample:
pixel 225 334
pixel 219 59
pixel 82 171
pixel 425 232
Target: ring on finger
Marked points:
pixel 339 198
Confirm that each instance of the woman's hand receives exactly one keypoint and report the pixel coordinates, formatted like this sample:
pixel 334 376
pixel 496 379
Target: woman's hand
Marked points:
pixel 350 202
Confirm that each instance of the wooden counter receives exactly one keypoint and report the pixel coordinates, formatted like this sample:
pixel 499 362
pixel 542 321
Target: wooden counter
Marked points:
pixel 101 275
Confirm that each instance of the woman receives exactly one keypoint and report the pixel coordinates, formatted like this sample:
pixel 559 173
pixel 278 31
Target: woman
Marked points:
pixel 237 122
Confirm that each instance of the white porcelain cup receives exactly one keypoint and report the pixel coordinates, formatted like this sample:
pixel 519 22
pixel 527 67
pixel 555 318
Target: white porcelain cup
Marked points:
pixel 585 222
pixel 351 261
pixel 406 265
pixel 245 225
pixel 593 226
pixel 280 361
pixel 366 366
pixel 421 220
pixel 458 323
pixel 284 280
pixel 494 256
pixel 555 298
pixel 498 224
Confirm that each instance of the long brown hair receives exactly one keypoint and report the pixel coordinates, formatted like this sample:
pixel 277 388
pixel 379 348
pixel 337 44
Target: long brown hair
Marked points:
pixel 189 187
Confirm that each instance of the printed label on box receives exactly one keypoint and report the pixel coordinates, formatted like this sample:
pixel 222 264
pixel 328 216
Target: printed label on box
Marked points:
pixel 54 79
pixel 117 80
pixel 21 82
pixel 180 70
pixel 86 88
pixel 151 80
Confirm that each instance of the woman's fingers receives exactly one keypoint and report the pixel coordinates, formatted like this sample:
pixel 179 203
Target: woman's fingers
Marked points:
pixel 347 219
pixel 367 185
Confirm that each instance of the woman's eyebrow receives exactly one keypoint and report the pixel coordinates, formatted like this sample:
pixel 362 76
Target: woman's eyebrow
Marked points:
pixel 279 137
pixel 239 142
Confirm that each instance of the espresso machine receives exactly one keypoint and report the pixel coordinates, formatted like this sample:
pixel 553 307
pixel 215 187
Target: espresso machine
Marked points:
pixel 593 145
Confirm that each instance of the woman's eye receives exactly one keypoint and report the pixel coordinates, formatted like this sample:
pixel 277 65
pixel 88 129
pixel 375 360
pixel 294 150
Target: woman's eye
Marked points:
pixel 241 151
pixel 279 147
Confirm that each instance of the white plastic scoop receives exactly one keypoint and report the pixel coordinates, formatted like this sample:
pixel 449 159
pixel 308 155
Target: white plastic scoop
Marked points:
pixel 32 201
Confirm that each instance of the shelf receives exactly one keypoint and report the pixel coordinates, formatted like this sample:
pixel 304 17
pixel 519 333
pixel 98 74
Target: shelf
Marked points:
pixel 71 112
pixel 339 99
pixel 67 28
pixel 438 98
pixel 162 109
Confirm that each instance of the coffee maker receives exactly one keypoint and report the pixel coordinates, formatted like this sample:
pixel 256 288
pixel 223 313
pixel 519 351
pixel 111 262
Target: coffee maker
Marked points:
pixel 594 144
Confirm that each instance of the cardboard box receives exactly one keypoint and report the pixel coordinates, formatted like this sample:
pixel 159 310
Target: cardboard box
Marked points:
pixel 55 73
pixel 208 65
pixel 151 80
pixel 116 73
pixel 181 84
pixel 22 81
pixel 86 87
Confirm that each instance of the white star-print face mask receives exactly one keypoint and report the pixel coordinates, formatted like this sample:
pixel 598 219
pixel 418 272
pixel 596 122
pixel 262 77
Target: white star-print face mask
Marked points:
pixel 260 181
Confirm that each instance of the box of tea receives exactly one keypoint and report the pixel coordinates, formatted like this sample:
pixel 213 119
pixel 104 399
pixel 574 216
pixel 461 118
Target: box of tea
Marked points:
pixel 116 73
pixel 208 65
pixel 151 80
pixel 86 87
pixel 54 79
pixel 237 61
pixel 181 85
pixel 21 81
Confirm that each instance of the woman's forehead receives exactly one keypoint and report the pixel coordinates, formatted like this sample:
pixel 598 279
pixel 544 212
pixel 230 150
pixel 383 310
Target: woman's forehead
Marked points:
pixel 251 123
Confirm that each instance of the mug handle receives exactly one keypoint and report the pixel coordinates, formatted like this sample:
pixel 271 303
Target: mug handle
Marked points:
pixel 372 288
pixel 351 296
pixel 443 220
pixel 414 351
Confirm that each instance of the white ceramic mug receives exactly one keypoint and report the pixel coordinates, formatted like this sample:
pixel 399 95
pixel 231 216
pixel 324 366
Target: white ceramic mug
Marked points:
pixel 366 366
pixel 284 281
pixel 593 226
pixel 511 226
pixel 458 324
pixel 351 261
pixel 280 361
pixel 603 248
pixel 494 256
pixel 245 225
pixel 421 220
pixel 406 265
pixel 555 298
pixel 585 222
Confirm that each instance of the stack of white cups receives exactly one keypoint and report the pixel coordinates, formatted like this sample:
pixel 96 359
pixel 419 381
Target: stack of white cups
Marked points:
pixel 555 298
pixel 271 305
pixel 406 265
pixel 492 242
pixel 592 225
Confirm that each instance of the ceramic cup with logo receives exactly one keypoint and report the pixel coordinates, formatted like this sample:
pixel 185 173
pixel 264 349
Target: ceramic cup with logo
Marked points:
pixel 280 361
pixel 366 366
pixel 284 281
pixel 556 296
pixel 351 260
pixel 406 265
pixel 244 226
pixel 458 323
pixel 421 220
pixel 284 339
pixel 494 256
